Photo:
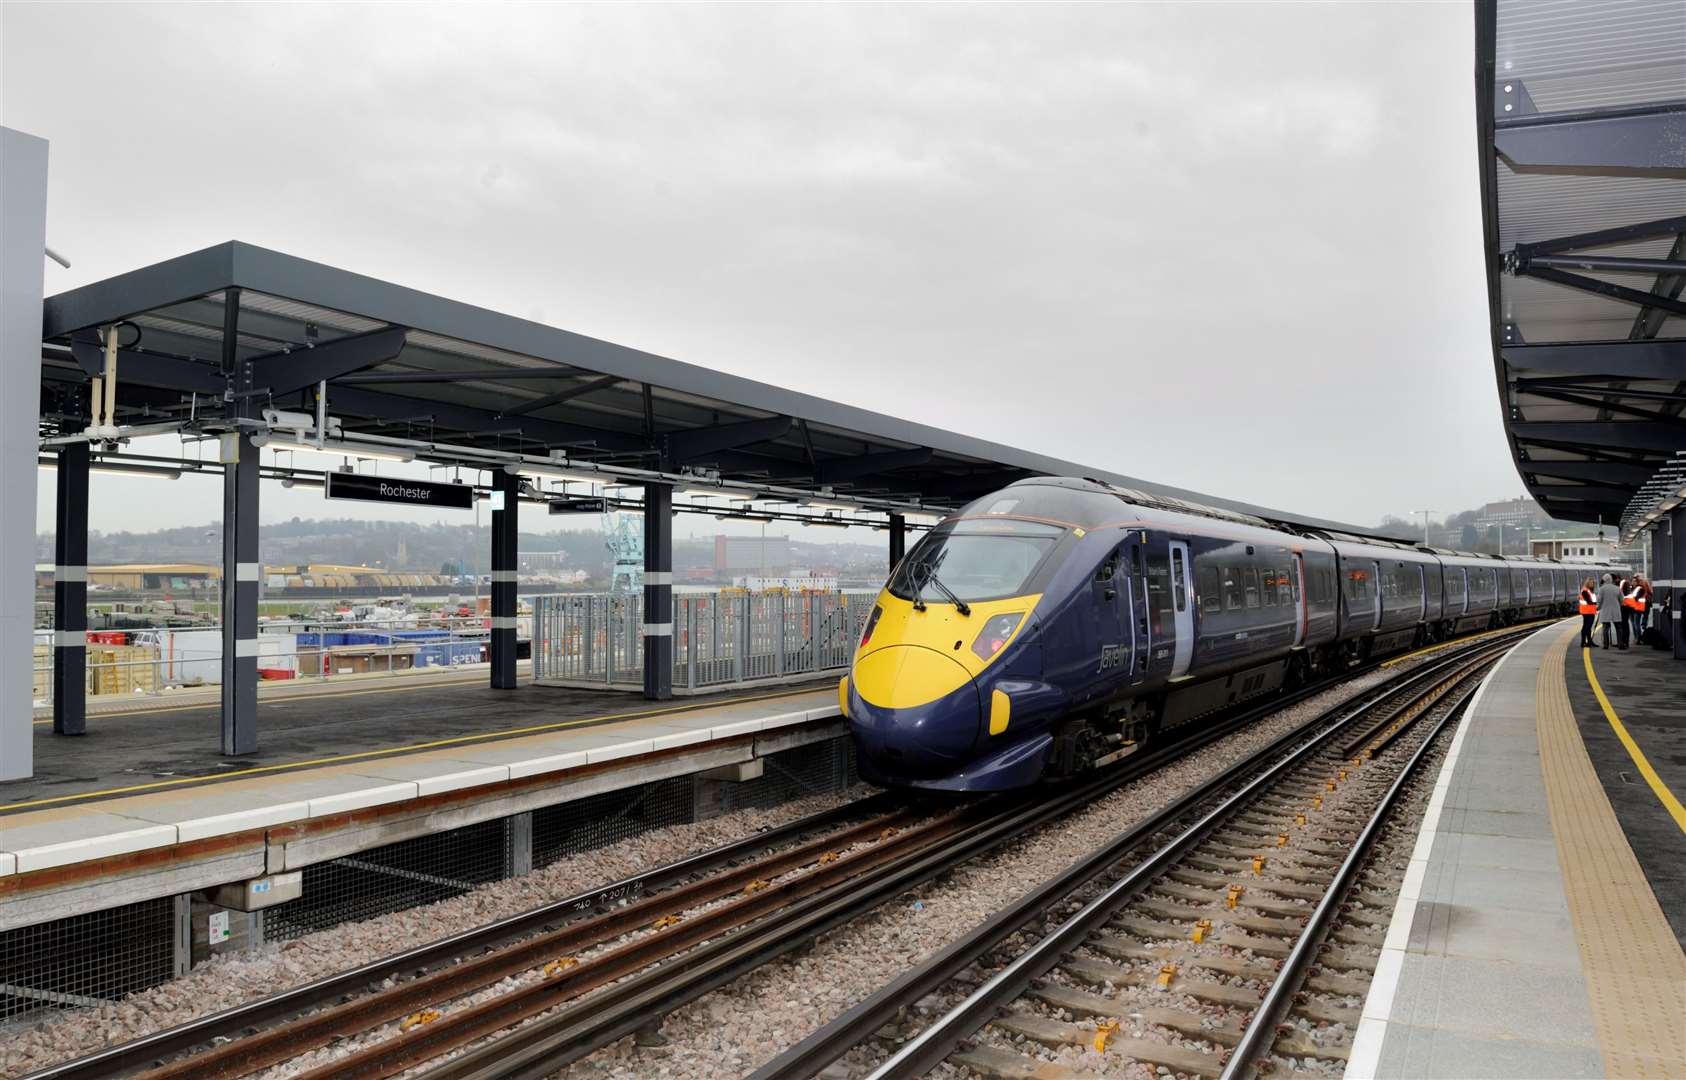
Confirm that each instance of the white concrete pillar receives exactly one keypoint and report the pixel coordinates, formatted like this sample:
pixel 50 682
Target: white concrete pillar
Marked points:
pixel 23 245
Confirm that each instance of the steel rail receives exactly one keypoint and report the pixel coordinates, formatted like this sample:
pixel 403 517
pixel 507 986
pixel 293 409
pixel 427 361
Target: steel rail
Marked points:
pixel 244 1021
pixel 273 1008
pixel 1260 1033
pixel 540 1048
pixel 856 1025
pixel 931 1046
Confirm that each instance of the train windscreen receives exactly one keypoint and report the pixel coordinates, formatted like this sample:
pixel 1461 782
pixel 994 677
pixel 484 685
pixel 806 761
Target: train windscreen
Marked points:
pixel 976 560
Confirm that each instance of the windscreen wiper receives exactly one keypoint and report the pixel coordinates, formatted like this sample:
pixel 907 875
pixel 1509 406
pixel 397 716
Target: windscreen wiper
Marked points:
pixel 959 605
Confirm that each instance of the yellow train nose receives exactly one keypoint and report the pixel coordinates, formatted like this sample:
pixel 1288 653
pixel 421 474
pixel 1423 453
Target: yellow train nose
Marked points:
pixel 906 676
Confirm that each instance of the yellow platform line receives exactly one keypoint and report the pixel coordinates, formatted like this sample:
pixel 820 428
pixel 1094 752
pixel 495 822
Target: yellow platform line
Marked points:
pixel 1633 968
pixel 1658 788
pixel 363 755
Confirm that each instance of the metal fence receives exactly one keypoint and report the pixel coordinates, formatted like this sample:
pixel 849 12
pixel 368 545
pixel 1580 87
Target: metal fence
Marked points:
pixel 148 660
pixel 719 639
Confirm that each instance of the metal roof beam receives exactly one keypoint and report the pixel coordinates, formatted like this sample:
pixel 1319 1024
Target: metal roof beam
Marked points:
pixel 1644 137
pixel 1625 434
pixel 295 369
pixel 1590 493
pixel 1621 234
pixel 1653 359
pixel 697 444
pixel 844 470
pixel 1637 297
pixel 590 386
pixel 1620 474
pixel 1649 322
pixel 459 375
pixel 376 405
pixel 148 369
pixel 1609 404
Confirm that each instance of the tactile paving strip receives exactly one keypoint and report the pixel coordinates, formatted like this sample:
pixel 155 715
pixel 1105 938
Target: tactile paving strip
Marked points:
pixel 1634 969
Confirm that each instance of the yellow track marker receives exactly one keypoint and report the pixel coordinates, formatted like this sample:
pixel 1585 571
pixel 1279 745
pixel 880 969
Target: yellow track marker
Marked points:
pixel 558 966
pixel 665 921
pixel 756 886
pixel 1201 929
pixel 1167 972
pixel 417 1019
pixel 1104 1032
pixel 1658 788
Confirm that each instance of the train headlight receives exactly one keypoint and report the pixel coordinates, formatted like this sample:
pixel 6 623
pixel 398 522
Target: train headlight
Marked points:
pixel 871 624
pixel 996 633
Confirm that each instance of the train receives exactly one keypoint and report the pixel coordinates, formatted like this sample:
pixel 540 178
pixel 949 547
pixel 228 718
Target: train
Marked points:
pixel 1060 624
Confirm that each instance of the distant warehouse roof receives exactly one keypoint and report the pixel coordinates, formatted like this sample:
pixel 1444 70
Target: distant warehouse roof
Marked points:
pixel 1581 109
pixel 213 332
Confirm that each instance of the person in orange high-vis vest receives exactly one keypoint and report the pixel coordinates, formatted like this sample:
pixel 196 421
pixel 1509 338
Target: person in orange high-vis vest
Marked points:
pixel 1638 601
pixel 1589 611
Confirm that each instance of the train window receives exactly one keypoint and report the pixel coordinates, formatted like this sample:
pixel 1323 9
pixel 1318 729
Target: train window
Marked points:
pixel 1206 584
pixel 1267 587
pixel 1232 588
pixel 1250 579
pixel 1158 592
pixel 1357 584
pixel 1178 585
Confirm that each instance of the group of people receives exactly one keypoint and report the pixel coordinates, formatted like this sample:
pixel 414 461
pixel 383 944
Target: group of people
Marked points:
pixel 1620 604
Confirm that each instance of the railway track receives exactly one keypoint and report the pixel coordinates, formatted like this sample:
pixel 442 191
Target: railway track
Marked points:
pixel 1234 930
pixel 645 945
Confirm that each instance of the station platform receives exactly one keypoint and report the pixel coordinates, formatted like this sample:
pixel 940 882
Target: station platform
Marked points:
pixel 144 805
pixel 1538 932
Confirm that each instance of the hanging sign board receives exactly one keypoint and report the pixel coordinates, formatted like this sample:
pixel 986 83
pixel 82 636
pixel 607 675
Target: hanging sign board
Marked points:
pixel 386 489
pixel 579 506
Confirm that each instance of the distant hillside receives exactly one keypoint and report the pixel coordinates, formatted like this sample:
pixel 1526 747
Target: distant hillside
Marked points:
pixel 403 546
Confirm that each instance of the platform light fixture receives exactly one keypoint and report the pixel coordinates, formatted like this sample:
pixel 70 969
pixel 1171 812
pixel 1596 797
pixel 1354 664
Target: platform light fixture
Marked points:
pixel 121 468
pixel 337 448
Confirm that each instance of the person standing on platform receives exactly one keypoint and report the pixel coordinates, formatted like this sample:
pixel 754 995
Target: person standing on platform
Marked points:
pixel 1641 601
pixel 1624 625
pixel 1589 611
pixel 1609 609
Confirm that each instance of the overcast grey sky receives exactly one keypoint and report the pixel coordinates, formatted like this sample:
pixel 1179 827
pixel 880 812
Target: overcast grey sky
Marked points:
pixel 1234 248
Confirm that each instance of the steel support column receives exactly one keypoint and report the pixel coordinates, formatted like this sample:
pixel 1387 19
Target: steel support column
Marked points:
pixel 1677 574
pixel 1662 570
pixel 898 540
pixel 240 570
pixel 506 534
pixel 70 593
pixel 658 591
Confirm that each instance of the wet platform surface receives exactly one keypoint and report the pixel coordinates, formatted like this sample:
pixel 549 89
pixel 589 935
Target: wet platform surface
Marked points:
pixel 154 747
pixel 1529 939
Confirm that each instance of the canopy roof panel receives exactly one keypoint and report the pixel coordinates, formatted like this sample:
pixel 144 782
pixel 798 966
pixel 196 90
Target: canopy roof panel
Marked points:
pixel 1581 110
pixel 401 363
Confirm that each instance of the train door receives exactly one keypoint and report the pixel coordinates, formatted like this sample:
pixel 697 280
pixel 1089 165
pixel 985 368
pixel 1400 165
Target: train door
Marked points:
pixel 1111 603
pixel 1376 595
pixel 1144 636
pixel 1299 600
pixel 1422 590
pixel 1182 607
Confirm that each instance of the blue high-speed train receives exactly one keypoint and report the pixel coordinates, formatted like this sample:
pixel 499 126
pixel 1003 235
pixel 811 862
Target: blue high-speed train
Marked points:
pixel 1059 624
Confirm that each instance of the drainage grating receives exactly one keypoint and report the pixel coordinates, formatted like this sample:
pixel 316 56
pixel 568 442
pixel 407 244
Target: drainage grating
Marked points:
pixel 597 820
pixel 89 959
pixel 816 769
pixel 381 880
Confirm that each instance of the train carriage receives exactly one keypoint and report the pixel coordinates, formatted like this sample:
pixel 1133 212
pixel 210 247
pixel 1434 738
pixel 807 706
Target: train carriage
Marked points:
pixel 1059 624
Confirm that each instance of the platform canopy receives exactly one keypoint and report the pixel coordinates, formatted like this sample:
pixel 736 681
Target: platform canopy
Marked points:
pixel 220 335
pixel 1581 110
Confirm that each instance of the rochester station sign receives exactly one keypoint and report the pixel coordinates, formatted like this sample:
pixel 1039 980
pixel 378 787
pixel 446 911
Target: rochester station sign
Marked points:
pixel 385 489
